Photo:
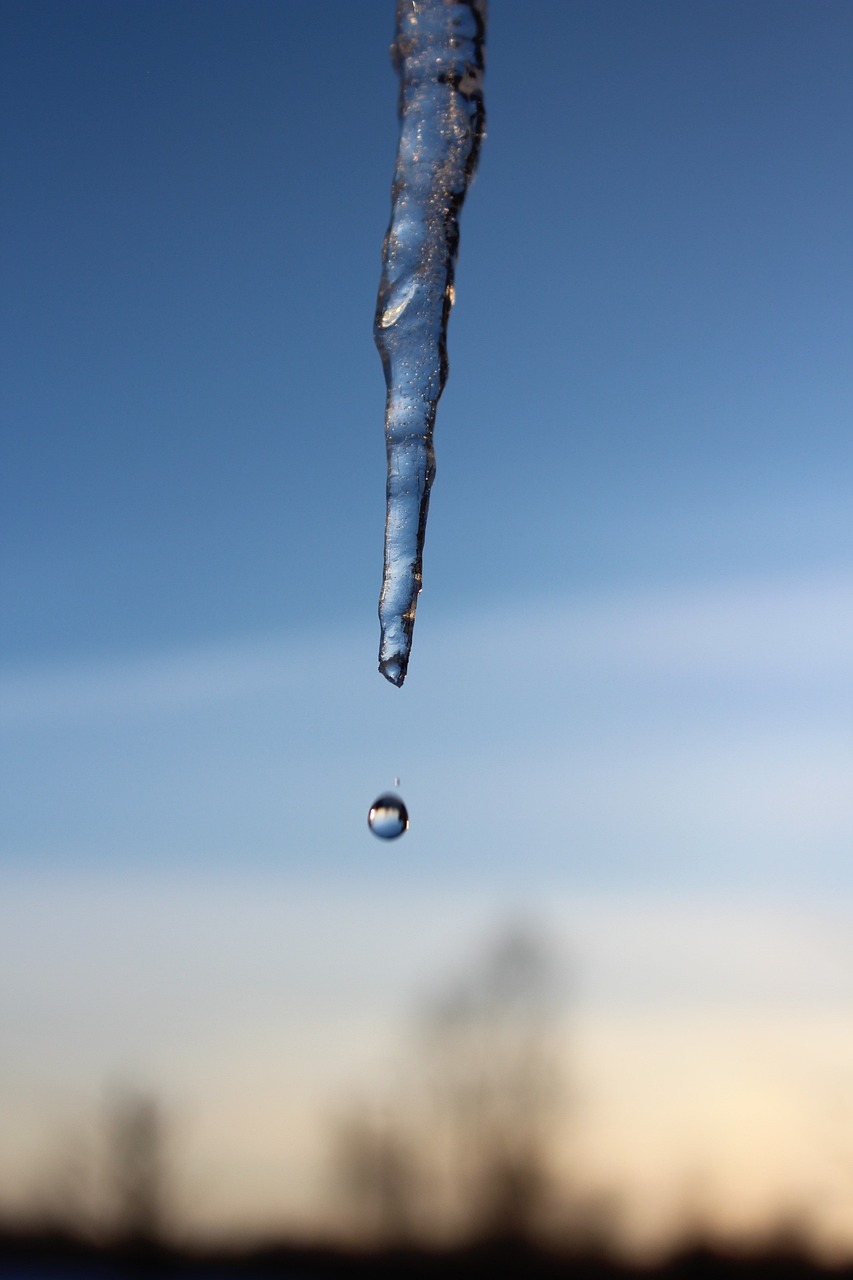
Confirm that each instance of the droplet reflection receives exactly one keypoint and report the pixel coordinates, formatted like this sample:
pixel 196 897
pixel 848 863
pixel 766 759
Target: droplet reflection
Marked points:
pixel 388 817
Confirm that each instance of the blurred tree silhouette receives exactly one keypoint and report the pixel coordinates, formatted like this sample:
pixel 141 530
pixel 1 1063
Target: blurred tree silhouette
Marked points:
pixel 381 1171
pixel 135 1135
pixel 468 1152
pixel 495 1081
pixel 65 1198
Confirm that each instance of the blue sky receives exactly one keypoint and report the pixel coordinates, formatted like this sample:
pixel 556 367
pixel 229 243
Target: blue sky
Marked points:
pixel 649 394
pixel 630 679
pixel 650 355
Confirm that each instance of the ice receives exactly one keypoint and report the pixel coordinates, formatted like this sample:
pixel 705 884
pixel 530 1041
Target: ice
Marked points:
pixel 438 51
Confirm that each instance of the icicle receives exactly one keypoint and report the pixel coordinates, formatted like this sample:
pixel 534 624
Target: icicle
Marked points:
pixel 438 51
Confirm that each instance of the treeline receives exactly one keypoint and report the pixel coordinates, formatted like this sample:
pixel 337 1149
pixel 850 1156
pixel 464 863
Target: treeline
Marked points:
pixel 39 1255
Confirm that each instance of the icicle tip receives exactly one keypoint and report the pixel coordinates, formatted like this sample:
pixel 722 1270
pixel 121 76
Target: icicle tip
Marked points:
pixel 394 669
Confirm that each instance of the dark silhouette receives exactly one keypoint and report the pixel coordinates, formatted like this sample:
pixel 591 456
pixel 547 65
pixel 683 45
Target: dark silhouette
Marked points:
pixel 495 1078
pixel 136 1153
pixel 31 1255
pixel 381 1174
pixel 467 1152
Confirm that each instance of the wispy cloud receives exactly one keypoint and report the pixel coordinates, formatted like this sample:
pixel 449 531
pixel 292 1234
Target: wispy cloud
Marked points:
pixel 691 733
pixel 759 630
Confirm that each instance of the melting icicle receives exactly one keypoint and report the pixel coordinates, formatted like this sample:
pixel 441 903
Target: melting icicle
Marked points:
pixel 438 50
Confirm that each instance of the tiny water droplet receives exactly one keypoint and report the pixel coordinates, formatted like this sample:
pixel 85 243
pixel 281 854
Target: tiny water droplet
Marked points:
pixel 396 782
pixel 388 817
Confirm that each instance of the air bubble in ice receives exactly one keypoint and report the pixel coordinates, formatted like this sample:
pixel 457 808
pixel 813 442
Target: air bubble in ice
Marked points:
pixel 388 817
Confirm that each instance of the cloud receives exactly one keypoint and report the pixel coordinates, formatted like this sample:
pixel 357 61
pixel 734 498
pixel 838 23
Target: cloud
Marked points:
pixel 778 630
pixel 676 737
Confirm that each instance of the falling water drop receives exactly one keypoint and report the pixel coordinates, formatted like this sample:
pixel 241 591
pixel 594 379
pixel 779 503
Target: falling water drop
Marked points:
pixel 388 817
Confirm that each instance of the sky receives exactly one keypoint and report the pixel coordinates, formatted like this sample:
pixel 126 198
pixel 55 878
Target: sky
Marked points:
pixel 628 710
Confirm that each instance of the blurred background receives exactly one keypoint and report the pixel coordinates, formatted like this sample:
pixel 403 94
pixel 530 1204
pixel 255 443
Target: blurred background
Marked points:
pixel 602 990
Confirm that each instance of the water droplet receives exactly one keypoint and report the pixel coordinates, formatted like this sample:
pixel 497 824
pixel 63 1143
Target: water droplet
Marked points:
pixel 396 782
pixel 388 817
